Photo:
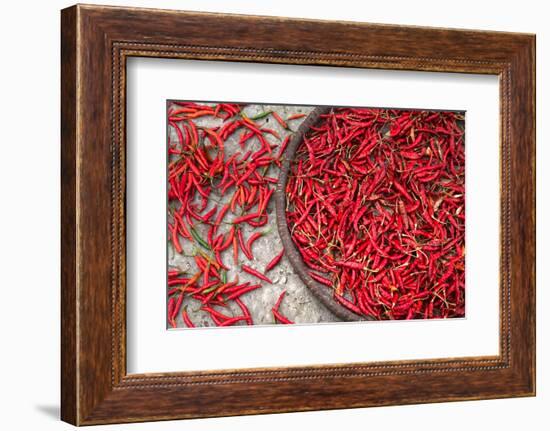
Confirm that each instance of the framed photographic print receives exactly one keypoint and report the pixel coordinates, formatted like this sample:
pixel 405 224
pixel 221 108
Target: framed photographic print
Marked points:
pixel 350 217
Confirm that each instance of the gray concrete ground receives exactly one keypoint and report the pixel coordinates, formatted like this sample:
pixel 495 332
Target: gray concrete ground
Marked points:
pixel 299 305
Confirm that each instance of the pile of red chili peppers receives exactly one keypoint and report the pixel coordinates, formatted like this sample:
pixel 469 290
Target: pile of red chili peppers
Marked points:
pixel 202 175
pixel 376 207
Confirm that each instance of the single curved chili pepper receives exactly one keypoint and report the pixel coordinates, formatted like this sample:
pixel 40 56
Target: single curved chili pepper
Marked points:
pixel 295 117
pixel 255 273
pixel 242 291
pixel 320 279
pixel 243 245
pixel 279 120
pixel 279 300
pixel 233 320
pixel 186 319
pixel 175 240
pixel 251 240
pixel 245 311
pixel 280 318
pixel 273 263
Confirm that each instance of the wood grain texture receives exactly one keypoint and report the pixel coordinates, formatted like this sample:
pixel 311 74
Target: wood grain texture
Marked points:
pixel 96 41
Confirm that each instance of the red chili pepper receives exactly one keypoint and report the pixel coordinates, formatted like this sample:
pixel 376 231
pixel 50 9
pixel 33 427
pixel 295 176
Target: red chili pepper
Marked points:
pixel 177 307
pixel 273 263
pixel 175 240
pixel 279 120
pixel 235 250
pixel 295 117
pixel 251 240
pixel 227 243
pixel 245 311
pixel 214 313
pixel 170 311
pixel 243 245
pixel 242 291
pixel 233 320
pixel 255 273
pixel 221 215
pixel 320 279
pixel 237 287
pixel 277 314
pixel 186 319
pixel 374 215
pixel 281 319
pixel 245 218
pixel 375 211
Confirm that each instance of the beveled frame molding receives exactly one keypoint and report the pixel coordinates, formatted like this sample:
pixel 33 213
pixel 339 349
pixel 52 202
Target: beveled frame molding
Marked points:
pixel 95 42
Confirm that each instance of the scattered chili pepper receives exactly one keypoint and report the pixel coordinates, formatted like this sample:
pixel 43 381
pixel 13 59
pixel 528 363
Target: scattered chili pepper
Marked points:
pixel 242 291
pixel 232 321
pixel 295 117
pixel 245 311
pixel 274 262
pixel 186 319
pixel 279 120
pixel 277 314
pixel 202 222
pixel 255 273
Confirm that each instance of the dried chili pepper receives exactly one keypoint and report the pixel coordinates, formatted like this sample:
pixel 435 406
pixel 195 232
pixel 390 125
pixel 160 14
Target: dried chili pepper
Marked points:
pixel 277 314
pixel 255 273
pixel 370 215
pixel 275 261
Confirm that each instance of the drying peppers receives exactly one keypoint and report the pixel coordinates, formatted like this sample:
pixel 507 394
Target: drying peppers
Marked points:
pixel 376 208
pixel 201 174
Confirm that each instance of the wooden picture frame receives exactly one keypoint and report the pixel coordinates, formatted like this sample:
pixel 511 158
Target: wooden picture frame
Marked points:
pixel 95 43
